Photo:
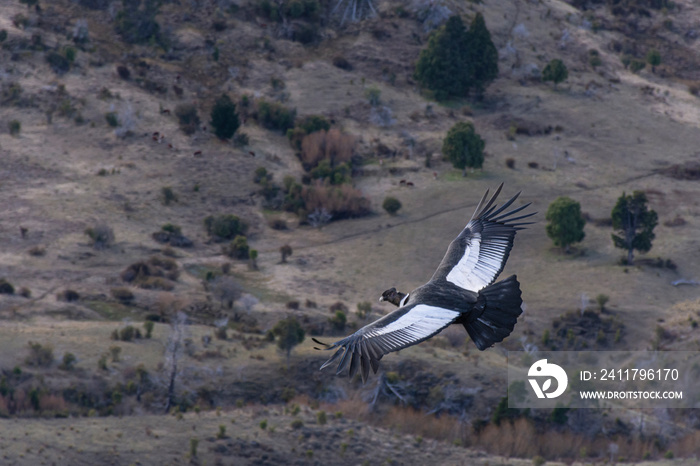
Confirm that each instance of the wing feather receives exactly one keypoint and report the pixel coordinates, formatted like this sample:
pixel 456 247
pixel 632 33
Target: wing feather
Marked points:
pixel 402 328
pixel 478 255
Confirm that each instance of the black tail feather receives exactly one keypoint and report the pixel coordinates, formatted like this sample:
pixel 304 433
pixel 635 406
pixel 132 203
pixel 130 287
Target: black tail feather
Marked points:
pixel 501 309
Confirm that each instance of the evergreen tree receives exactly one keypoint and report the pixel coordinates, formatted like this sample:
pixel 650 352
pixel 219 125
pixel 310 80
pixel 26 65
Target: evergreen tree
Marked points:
pixel 555 71
pixel 289 334
pixel 442 66
pixel 464 147
pixel 224 118
pixel 481 55
pixel 634 223
pixel 565 222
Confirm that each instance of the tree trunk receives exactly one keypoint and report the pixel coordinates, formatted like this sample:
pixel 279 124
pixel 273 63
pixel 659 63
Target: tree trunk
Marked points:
pixel 630 256
pixel 567 249
pixel 464 172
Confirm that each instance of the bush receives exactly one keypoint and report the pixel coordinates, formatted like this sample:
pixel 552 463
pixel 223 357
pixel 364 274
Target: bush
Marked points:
pixel 68 296
pixel 112 119
pixel 3 35
pixel 340 202
pixel 6 287
pixel 637 65
pixel 285 252
pixel 15 127
pixel 275 116
pixel 122 294
pixel 364 309
pixel 240 139
pixel 129 333
pixel 40 356
pixel 224 118
pixel 68 362
pixel 59 63
pixel 101 235
pixel 168 195
pixel 338 321
pixel 224 227
pixel 332 145
pixel 238 248
pixel 340 62
pixel 653 57
pixel 555 71
pixel 391 205
pixel 148 327
pixel 187 118
pixel 464 147
pixel 373 95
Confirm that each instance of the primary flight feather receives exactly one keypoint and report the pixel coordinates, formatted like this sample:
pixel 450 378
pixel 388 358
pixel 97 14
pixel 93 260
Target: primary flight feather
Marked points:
pixel 461 291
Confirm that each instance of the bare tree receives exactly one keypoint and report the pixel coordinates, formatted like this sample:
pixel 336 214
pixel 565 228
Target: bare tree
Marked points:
pixel 173 353
pixel 225 289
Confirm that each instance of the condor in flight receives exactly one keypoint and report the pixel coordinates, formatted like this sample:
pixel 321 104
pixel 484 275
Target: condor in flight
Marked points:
pixel 462 291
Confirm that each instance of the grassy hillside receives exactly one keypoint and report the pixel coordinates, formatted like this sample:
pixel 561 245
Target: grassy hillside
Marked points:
pixel 99 145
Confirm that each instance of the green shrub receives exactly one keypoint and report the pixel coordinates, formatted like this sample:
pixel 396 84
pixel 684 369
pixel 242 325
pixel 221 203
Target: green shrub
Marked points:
pixel 321 418
pixel 70 53
pixel 129 333
pixel 222 432
pixel 172 228
pixel 555 71
pixel 636 65
pixel 338 321
pixel 391 205
pixel 653 57
pixel 68 362
pixel 224 227
pixel 168 194
pixel 274 116
pixel 566 222
pixel 148 327
pixel 112 119
pixel 6 287
pixel 187 118
pixel 464 147
pixel 373 95
pixel 3 35
pixel 58 62
pixel 15 127
pixel 224 118
pixel 238 248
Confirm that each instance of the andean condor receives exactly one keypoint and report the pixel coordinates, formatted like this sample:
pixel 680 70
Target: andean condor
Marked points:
pixel 462 291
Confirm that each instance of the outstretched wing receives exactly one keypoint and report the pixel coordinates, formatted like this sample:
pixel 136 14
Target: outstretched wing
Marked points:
pixel 477 256
pixel 402 328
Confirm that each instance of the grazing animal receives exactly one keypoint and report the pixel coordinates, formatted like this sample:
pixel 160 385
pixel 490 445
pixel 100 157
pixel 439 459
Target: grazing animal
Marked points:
pixel 462 291
pixel 165 111
pixel 402 182
pixel 198 153
pixel 409 183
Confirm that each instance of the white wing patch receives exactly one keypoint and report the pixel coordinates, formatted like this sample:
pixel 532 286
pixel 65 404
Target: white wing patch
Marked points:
pixel 417 324
pixel 480 263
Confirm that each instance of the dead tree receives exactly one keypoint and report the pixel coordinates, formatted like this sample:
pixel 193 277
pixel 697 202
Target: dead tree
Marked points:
pixel 173 354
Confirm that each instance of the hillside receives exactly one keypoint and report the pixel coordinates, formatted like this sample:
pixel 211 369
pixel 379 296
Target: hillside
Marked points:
pixel 100 146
